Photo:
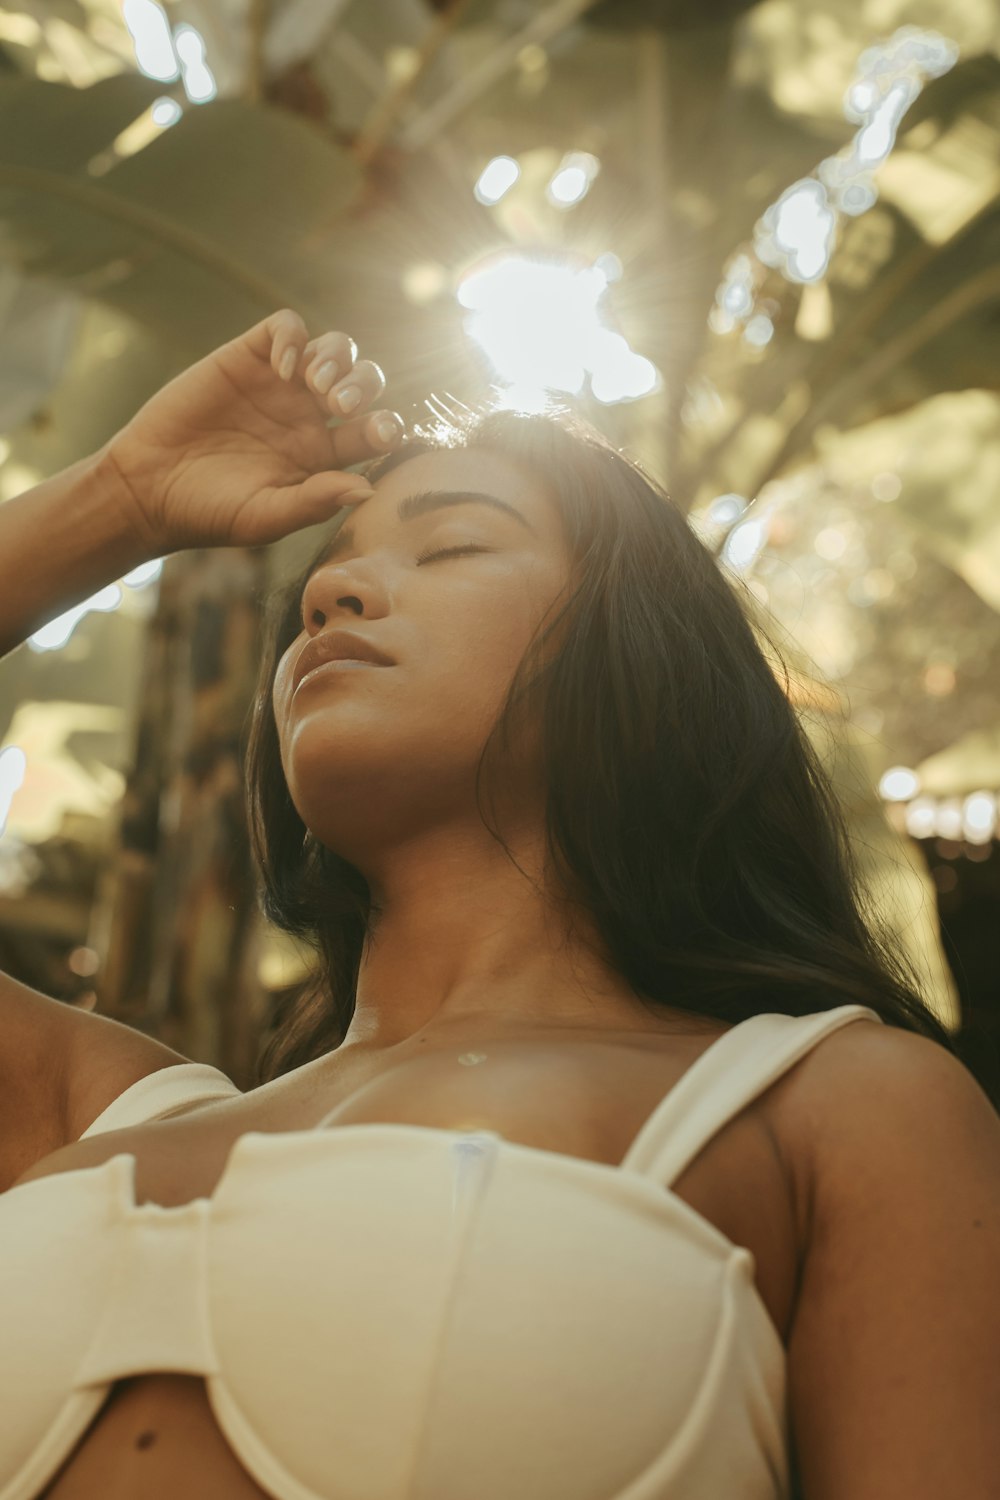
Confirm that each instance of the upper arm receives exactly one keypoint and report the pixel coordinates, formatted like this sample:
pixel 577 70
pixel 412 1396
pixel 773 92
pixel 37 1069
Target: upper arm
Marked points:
pixel 59 1067
pixel 894 1352
pixel 33 1094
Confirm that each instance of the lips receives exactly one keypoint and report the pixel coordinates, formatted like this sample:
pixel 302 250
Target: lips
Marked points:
pixel 337 645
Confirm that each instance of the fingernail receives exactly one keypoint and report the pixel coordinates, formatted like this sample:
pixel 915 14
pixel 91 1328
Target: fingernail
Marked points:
pixel 289 360
pixel 325 376
pixel 349 397
pixel 386 429
pixel 355 495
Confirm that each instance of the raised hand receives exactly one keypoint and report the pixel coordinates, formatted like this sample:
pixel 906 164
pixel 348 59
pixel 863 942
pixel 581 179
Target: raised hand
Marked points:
pixel 234 452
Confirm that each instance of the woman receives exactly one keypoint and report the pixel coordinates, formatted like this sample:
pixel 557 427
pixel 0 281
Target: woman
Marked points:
pixel 547 1188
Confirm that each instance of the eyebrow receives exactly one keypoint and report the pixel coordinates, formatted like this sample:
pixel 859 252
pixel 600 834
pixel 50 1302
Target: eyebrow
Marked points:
pixel 421 504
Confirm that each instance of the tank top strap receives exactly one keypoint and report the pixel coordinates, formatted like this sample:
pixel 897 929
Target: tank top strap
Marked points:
pixel 158 1093
pixel 729 1075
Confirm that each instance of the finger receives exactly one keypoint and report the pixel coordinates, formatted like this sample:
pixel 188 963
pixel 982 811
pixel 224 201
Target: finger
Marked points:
pixel 328 358
pixel 287 332
pixel 362 438
pixel 363 384
pixel 277 512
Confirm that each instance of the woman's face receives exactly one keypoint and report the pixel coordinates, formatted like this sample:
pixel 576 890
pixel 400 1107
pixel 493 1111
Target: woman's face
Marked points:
pixel 379 752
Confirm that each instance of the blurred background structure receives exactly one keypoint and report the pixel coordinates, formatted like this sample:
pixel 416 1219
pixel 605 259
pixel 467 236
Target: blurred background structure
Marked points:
pixel 755 243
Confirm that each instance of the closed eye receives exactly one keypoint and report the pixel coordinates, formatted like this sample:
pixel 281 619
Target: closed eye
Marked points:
pixel 451 552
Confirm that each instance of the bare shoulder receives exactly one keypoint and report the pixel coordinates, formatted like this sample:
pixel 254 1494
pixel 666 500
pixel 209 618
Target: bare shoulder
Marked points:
pixel 893 1375
pixel 852 1094
pixel 893 1081
pixel 834 1083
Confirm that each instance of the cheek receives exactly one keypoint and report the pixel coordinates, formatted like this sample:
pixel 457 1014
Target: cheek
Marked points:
pixel 518 630
pixel 495 627
pixel 281 701
pixel 282 687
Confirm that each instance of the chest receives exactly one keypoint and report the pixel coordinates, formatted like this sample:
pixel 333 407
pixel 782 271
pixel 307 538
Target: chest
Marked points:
pixel 588 1102
pixel 591 1103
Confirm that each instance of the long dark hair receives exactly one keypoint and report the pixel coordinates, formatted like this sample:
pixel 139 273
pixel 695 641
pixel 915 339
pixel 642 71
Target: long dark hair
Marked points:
pixel 687 810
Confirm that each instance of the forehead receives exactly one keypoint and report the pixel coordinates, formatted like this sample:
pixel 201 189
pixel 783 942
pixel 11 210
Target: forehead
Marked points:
pixel 456 469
